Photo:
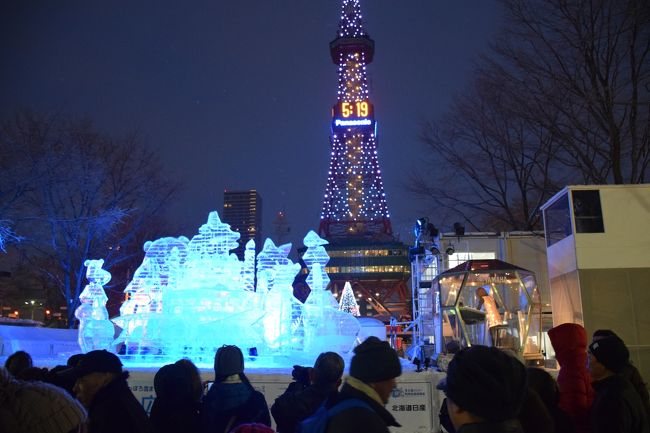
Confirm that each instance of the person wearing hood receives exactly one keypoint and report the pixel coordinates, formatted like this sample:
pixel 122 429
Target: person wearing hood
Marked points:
pixel 569 341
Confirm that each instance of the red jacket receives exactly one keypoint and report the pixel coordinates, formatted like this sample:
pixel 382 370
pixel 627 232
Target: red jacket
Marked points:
pixel 576 394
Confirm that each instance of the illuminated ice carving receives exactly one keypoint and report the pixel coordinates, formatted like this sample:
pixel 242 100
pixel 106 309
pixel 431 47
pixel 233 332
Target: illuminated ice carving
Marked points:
pixel 316 253
pixel 95 330
pixel 203 294
pixel 283 320
pixel 210 264
pixel 188 298
pixel 158 270
pixel 268 261
pixel 326 328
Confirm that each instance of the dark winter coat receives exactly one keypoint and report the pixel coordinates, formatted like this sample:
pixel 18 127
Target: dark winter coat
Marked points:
pixel 576 394
pixel 534 417
pixel 617 408
pixel 509 426
pixel 174 416
pixel 631 373
pixel 115 409
pixel 359 419
pixel 546 387
pixel 228 405
pixel 294 406
pixel 562 422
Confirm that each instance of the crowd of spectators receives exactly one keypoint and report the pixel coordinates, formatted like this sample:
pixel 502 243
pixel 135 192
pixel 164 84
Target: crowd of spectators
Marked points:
pixel 487 390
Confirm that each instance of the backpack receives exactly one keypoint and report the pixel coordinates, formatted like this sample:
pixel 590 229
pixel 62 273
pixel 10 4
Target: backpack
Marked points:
pixel 317 423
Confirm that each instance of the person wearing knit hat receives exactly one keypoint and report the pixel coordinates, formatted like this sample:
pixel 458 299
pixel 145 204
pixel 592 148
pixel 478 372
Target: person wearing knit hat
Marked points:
pixel 617 406
pixel 232 400
pixel 611 353
pixel 372 378
pixel 485 388
pixel 375 361
pixel 37 407
pixel 102 388
pixel 629 372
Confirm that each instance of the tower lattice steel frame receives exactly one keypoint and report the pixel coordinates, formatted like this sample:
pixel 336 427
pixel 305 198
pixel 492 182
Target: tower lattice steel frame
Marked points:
pixel 355 202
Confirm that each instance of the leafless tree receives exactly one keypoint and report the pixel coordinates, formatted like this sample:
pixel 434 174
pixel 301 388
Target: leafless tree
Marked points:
pixel 90 196
pixel 16 180
pixel 562 96
pixel 493 164
pixel 586 74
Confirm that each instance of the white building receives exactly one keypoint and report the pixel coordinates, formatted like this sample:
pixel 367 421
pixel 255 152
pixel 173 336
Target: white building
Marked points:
pixel 598 249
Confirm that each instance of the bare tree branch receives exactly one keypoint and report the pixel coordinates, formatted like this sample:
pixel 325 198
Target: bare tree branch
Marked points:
pixel 562 97
pixel 89 196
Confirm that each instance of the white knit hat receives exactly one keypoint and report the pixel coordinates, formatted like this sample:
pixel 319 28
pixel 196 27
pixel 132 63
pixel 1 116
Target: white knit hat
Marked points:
pixel 37 407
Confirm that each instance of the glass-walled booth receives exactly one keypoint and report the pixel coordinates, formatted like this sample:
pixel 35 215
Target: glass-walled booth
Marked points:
pixel 488 302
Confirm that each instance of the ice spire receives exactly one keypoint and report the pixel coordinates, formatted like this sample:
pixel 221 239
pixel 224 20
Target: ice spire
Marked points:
pixel 248 271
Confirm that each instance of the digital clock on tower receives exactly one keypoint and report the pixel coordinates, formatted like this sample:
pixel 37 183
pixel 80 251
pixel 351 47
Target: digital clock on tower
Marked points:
pixel 353 110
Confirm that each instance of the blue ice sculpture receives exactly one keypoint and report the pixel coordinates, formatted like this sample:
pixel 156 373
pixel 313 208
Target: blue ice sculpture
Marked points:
pixel 189 297
pixel 316 253
pixel 283 311
pixel 205 294
pixel 158 271
pixel 283 328
pixel 267 262
pixel 95 330
pixel 210 262
pixel 326 328
pixel 142 314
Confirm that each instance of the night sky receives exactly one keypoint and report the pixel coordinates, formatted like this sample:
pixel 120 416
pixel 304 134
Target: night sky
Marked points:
pixel 237 94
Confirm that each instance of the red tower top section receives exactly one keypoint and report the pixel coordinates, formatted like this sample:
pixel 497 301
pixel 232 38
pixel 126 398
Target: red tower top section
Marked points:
pixel 354 204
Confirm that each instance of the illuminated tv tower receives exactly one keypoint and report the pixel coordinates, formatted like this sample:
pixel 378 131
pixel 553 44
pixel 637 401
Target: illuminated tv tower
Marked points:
pixel 355 201
pixel 355 218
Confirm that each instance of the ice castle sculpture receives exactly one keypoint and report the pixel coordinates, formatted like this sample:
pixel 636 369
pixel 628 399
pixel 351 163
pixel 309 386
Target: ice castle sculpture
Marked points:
pixel 95 330
pixel 189 297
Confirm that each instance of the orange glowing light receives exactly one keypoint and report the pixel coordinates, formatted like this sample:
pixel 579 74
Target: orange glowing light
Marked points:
pixel 356 109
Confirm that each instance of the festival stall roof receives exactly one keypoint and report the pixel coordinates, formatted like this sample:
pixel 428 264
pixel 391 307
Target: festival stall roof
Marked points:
pixel 485 265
